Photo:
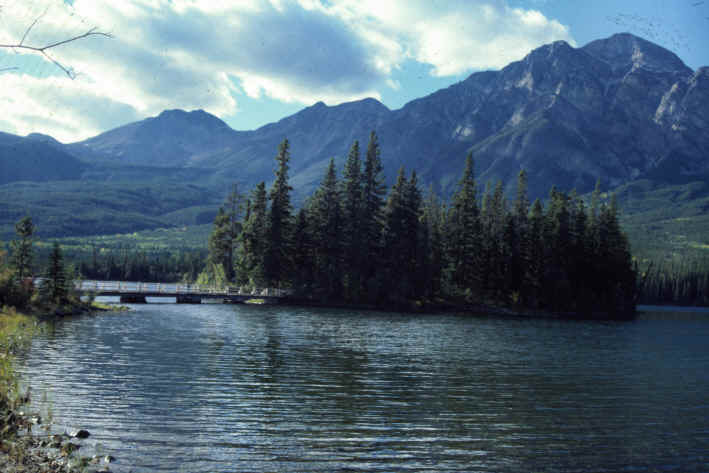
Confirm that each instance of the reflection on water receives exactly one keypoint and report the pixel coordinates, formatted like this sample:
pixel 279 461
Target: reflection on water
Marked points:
pixel 255 388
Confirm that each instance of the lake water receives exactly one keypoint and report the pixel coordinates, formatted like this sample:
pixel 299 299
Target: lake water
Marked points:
pixel 205 388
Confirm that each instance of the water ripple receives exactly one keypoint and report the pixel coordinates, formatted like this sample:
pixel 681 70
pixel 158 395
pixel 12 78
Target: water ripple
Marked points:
pixel 237 388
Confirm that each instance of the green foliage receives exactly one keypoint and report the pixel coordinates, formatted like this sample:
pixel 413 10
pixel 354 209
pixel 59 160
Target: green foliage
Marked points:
pixel 352 208
pixel 227 228
pixel 371 225
pixel 464 235
pixel 157 265
pixel 325 228
pixel 87 207
pixel 55 286
pixel 22 248
pixel 347 245
pixel 277 257
pixel 254 239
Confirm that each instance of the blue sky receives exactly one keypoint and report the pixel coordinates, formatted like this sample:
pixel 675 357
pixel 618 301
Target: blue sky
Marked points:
pixel 252 62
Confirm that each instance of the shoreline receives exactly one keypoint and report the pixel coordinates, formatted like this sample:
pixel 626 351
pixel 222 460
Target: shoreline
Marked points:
pixel 21 448
pixel 468 309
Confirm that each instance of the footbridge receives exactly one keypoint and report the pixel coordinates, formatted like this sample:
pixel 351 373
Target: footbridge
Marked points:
pixel 137 292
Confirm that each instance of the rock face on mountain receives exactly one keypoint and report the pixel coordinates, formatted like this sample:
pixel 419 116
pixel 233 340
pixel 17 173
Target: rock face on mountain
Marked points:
pixel 616 109
pixel 567 116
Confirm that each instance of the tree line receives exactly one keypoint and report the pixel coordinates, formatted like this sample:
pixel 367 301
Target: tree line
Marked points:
pixel 17 283
pixel 355 241
pixel 679 283
pixel 147 266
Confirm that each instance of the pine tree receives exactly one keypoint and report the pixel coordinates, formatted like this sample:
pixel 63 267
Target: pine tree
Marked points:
pixel 21 249
pixel 464 235
pixel 433 221
pixel 326 221
pixel 521 248
pixel 254 237
pixel 351 193
pixel 494 217
pixel 397 243
pixel 415 238
pixel 54 286
pixel 277 261
pixel 373 191
pixel 220 251
pixel 303 258
pixel 223 241
pixel 537 256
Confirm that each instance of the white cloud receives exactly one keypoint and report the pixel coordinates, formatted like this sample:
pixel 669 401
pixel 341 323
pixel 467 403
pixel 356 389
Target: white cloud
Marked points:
pixel 455 36
pixel 193 53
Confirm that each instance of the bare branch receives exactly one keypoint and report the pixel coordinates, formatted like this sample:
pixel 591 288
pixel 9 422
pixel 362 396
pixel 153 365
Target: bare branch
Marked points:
pixel 43 49
pixel 27 32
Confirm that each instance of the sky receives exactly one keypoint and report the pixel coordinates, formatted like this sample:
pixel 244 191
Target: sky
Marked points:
pixel 252 62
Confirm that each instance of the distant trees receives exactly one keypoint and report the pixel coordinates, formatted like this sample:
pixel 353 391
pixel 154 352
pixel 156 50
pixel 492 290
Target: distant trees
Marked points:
pixel 354 242
pixel 124 264
pixel 683 283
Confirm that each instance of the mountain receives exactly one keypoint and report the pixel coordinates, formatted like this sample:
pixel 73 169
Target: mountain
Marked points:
pixel 616 109
pixel 174 138
pixel 619 110
pixel 36 159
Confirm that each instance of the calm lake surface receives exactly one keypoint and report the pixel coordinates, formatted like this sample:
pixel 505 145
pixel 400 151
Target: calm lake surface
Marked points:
pixel 206 388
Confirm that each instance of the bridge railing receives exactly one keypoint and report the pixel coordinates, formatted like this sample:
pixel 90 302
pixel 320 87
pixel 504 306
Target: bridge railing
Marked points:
pixel 129 287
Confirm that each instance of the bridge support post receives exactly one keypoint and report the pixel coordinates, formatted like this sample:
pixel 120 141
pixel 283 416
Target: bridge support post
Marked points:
pixel 133 299
pixel 188 299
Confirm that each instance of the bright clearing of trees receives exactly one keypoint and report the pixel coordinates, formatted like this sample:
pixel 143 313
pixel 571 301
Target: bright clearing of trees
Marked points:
pixel 354 243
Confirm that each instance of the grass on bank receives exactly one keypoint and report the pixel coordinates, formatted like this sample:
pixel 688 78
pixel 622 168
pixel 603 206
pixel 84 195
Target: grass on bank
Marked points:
pixel 16 332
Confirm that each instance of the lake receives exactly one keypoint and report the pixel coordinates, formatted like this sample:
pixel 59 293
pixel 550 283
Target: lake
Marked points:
pixel 236 388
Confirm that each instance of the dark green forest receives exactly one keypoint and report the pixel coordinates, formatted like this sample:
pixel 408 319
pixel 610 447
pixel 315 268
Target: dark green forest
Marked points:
pixel 355 241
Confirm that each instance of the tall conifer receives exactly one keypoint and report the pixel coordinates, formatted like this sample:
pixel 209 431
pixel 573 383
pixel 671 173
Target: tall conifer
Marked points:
pixel 352 209
pixel 277 261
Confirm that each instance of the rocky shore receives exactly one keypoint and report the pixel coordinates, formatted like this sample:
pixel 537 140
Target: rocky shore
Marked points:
pixel 58 453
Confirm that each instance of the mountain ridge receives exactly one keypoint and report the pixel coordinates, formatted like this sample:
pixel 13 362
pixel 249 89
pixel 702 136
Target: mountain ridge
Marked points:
pixel 617 109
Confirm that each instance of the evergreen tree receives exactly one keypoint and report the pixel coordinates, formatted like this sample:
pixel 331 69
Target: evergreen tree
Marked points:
pixel 433 222
pixel 537 256
pixel 397 242
pixel 415 239
pixel 617 275
pixel 277 261
pixel 55 286
pixel 521 248
pixel 22 252
pixel 220 251
pixel 373 191
pixel 464 235
pixel 304 275
pixel 254 237
pixel 351 194
pixel 223 241
pixel 326 223
pixel 494 217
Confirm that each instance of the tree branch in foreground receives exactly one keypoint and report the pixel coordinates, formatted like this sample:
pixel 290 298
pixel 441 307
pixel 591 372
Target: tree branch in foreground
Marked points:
pixel 43 49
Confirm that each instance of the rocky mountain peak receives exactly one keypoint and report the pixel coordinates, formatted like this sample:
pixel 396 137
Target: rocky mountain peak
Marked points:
pixel 194 117
pixel 625 52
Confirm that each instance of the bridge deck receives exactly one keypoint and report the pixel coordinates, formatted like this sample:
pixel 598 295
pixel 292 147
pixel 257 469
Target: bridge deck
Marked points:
pixel 123 288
